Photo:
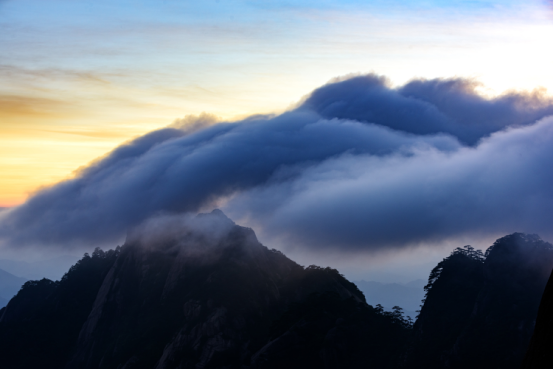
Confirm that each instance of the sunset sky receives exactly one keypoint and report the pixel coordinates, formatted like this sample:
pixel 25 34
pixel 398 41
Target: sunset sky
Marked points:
pixel 80 77
pixel 380 132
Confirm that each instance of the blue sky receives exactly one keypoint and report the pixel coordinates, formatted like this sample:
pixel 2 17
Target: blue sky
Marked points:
pixel 111 70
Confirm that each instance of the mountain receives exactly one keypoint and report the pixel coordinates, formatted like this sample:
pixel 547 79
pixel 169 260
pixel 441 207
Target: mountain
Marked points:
pixel 39 326
pixel 539 354
pixel 480 310
pixel 9 285
pixel 202 292
pixel 408 296
pixel 197 293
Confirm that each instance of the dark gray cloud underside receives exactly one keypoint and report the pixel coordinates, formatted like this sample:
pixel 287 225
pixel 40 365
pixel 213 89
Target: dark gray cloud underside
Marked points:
pixel 367 202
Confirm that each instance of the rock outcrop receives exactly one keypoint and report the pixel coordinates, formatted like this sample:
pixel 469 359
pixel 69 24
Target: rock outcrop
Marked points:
pixel 480 311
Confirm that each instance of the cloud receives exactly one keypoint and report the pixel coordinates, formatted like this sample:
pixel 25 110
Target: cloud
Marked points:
pixel 425 107
pixel 191 123
pixel 194 235
pixel 358 165
pixel 369 202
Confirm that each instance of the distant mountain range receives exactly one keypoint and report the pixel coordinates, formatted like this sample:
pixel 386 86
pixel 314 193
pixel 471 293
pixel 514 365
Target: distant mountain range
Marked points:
pixel 50 268
pixel 9 286
pixel 407 296
pixel 207 294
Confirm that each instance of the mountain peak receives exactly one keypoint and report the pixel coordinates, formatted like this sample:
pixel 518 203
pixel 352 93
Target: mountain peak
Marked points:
pixel 216 215
pixel 172 229
pixel 193 291
pixel 219 213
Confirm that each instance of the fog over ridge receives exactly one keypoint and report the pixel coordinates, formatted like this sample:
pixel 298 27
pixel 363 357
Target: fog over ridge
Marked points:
pixel 357 165
pixel 365 201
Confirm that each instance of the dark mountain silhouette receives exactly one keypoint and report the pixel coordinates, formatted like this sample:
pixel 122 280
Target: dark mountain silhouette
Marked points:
pixel 480 310
pixel 452 289
pixel 40 325
pixel 540 354
pixel 206 294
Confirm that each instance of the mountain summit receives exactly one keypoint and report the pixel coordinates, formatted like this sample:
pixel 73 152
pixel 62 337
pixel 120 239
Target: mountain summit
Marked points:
pixel 202 292
pixel 197 292
pixel 480 309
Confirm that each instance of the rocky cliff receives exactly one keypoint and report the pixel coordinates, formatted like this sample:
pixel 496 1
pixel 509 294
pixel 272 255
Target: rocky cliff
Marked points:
pixel 480 310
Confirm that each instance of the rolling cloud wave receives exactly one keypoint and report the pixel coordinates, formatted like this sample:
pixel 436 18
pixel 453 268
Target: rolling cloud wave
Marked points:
pixel 357 165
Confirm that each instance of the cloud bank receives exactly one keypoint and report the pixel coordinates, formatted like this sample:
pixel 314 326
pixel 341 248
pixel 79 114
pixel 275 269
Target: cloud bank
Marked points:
pixel 358 165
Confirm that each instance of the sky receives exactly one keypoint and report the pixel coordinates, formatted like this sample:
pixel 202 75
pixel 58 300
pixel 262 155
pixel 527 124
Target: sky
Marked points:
pixel 80 78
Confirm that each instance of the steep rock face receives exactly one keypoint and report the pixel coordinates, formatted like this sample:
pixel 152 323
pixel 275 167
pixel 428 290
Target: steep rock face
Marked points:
pixel 501 325
pixel 452 292
pixel 540 350
pixel 483 314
